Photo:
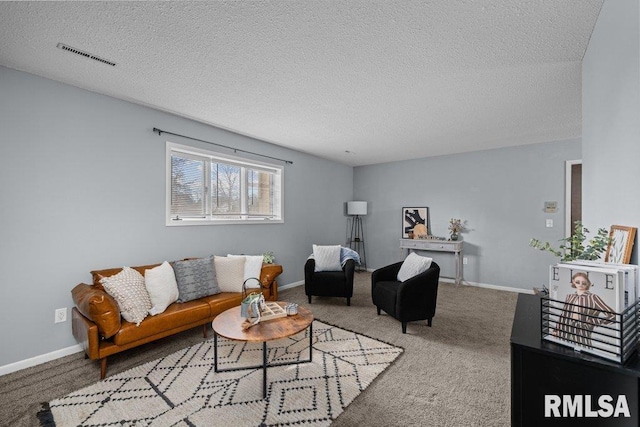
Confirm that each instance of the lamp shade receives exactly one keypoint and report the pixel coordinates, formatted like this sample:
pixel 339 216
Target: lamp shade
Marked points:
pixel 356 208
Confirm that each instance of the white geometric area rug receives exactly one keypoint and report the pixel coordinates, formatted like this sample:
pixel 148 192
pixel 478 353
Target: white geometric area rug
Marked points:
pixel 182 389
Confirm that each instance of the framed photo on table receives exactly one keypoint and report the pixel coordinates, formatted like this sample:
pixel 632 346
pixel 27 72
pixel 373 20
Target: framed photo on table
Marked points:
pixel 412 217
pixel 621 240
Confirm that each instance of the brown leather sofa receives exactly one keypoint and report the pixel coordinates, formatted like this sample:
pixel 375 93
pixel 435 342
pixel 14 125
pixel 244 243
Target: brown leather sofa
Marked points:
pixel 99 328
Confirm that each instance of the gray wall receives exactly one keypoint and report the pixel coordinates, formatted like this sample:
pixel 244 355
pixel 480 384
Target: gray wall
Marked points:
pixel 501 195
pixel 82 181
pixel 83 187
pixel 611 118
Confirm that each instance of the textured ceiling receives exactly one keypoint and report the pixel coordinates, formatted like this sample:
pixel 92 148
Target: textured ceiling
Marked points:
pixel 385 80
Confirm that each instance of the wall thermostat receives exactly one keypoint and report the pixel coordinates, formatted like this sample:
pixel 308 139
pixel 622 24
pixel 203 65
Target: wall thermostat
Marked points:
pixel 551 207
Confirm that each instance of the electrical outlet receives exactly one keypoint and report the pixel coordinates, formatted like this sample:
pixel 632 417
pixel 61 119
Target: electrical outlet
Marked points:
pixel 60 315
pixel 465 260
pixel 549 223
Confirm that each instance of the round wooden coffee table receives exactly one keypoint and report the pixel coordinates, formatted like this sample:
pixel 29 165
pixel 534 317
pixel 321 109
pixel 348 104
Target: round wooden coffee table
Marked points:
pixel 228 324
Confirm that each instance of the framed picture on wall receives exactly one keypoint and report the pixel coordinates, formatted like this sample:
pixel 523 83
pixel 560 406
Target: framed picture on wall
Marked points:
pixel 620 244
pixel 412 217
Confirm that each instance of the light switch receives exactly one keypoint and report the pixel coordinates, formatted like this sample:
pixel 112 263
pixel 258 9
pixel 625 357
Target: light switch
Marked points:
pixel 549 223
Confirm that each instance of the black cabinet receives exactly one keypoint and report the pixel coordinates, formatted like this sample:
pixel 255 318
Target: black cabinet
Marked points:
pixel 571 382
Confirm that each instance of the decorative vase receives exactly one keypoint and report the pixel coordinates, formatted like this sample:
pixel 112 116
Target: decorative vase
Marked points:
pixel 454 236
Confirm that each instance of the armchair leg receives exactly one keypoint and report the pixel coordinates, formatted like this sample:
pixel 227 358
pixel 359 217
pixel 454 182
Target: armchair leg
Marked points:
pixel 429 321
pixel 309 299
pixel 404 327
pixel 204 330
pixel 378 310
pixel 348 301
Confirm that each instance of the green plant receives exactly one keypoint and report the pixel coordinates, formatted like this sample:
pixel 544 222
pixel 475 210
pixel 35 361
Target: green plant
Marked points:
pixel 268 257
pixel 573 247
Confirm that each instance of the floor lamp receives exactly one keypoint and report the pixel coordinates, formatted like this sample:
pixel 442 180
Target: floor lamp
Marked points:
pixel 357 209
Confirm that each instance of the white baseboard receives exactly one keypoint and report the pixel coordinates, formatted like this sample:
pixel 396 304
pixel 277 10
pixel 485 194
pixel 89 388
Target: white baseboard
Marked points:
pixel 488 286
pixel 301 282
pixel 43 358
pixel 291 285
pixel 27 363
pixel 442 279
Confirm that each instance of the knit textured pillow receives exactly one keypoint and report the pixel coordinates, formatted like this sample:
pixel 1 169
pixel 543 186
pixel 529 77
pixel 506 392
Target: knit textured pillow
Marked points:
pixel 413 265
pixel 230 273
pixel 327 258
pixel 196 278
pixel 127 288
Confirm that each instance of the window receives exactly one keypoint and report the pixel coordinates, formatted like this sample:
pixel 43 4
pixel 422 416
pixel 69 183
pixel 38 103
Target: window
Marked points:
pixel 204 187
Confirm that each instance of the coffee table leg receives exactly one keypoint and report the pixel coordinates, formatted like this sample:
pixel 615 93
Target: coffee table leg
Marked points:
pixel 264 369
pixel 311 342
pixel 215 351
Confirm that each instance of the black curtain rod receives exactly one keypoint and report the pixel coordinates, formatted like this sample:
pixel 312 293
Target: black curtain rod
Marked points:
pixel 160 132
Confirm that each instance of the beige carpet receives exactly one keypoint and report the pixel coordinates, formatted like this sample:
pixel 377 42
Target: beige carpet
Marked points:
pixel 453 374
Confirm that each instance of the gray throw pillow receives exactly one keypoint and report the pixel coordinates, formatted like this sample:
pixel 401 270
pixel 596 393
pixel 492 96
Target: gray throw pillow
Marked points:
pixel 196 278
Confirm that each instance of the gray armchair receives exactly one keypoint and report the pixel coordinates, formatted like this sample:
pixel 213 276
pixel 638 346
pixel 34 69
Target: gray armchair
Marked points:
pixel 413 299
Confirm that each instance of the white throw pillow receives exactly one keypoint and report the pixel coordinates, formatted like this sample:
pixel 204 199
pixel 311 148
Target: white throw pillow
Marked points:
pixel 229 273
pixel 162 287
pixel 127 288
pixel 327 258
pixel 413 265
pixel 252 268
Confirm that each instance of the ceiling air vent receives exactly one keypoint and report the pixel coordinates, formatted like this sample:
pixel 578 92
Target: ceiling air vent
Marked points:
pixel 85 54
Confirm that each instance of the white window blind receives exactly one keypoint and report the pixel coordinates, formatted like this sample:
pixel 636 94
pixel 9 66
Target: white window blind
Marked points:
pixel 209 188
pixel 187 186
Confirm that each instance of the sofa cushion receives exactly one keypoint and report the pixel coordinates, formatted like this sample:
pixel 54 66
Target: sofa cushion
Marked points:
pixel 413 265
pixel 99 307
pixel 161 284
pixel 196 278
pixel 176 316
pixel 327 258
pixel 127 288
pixel 222 301
pixel 230 273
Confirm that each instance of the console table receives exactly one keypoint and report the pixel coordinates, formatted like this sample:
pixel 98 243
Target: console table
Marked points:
pixel 540 368
pixel 451 246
